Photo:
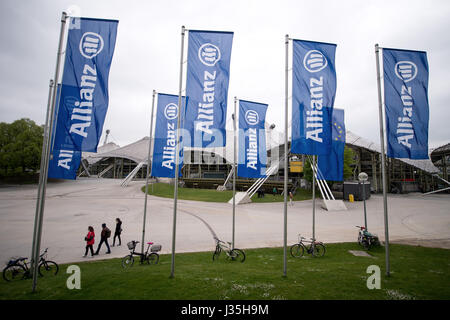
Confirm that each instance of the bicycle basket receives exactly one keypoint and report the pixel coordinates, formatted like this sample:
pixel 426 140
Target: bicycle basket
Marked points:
pixel 155 248
pixel 12 260
pixel 131 245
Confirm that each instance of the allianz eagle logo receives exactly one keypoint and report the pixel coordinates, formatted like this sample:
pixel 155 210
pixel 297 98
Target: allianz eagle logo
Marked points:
pixel 91 44
pixel 251 117
pixel 209 54
pixel 314 61
pixel 405 70
pixel 171 111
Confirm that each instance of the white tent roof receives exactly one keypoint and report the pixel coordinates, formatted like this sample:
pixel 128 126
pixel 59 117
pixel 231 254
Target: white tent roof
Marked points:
pixel 138 151
pixel 93 157
pixel 355 140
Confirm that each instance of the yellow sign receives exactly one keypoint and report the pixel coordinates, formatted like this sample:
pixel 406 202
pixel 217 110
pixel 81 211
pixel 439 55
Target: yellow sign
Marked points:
pixel 296 166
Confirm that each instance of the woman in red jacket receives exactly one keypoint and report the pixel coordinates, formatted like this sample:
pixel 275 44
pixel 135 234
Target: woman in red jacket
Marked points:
pixel 90 239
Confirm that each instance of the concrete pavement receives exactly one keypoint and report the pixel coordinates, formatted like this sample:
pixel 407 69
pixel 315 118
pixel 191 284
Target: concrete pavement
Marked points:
pixel 71 206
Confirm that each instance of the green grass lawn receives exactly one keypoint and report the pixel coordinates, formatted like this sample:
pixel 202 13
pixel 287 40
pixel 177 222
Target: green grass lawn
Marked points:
pixel 211 195
pixel 417 273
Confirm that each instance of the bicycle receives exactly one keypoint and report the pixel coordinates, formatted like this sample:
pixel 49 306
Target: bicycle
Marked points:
pixel 17 268
pixel 152 258
pixel 316 248
pixel 367 239
pixel 233 254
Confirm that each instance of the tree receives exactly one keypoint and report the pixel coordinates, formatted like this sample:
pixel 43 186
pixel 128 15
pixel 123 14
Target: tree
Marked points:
pixel 20 145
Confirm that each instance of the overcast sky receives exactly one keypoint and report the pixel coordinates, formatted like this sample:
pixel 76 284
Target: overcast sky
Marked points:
pixel 147 54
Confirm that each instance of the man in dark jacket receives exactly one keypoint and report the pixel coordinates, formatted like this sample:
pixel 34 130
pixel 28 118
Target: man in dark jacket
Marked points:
pixel 106 233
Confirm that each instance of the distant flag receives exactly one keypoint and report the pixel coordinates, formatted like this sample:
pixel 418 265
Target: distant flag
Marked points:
pixel 332 165
pixel 164 146
pixel 252 139
pixel 406 100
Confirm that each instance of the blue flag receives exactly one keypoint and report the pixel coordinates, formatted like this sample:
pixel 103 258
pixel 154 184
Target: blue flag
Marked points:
pixel 406 100
pixel 332 165
pixel 164 147
pixel 313 93
pixel 252 139
pixel 64 161
pixel 208 72
pixel 84 95
pixel 64 164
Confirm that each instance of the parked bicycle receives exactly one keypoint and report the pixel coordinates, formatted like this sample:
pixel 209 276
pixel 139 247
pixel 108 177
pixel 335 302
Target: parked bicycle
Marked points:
pixel 152 258
pixel 17 268
pixel 315 248
pixel 232 254
pixel 367 239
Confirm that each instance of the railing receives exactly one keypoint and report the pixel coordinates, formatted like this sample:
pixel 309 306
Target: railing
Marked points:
pixel 132 174
pixel 321 182
pixel 85 170
pixel 101 174
pixel 259 182
pixel 439 190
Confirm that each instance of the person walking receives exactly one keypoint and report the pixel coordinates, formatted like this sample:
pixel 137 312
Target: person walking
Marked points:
pixel 117 232
pixel 106 233
pixel 291 196
pixel 90 240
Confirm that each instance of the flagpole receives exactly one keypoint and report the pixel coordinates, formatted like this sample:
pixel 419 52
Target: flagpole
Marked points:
pixel 383 166
pixel 234 173
pixel 285 156
pixel 44 148
pixel 148 171
pixel 43 174
pixel 177 154
pixel 314 201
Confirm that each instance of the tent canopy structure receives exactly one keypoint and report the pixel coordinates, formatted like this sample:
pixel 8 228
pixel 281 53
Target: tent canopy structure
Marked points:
pixel 357 141
pixel 202 165
pixel 138 151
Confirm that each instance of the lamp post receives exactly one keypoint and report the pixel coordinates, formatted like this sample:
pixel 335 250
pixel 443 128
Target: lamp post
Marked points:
pixel 363 177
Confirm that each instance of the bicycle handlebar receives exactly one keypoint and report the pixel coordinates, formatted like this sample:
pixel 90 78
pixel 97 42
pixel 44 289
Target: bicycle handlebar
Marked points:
pixel 43 253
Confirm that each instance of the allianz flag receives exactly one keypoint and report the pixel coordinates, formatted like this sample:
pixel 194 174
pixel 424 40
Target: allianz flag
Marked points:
pixel 332 165
pixel 64 161
pixel 406 100
pixel 252 139
pixel 84 95
pixel 208 72
pixel 164 146
pixel 64 164
pixel 313 93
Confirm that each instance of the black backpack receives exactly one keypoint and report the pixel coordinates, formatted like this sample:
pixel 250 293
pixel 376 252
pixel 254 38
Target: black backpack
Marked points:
pixel 107 233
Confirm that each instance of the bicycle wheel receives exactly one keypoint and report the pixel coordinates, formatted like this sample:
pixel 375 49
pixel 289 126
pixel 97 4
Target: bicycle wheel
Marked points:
pixel 14 272
pixel 127 261
pixel 216 254
pixel 297 250
pixel 366 244
pixel 153 258
pixel 237 255
pixel 376 242
pixel 360 240
pixel 319 250
pixel 48 267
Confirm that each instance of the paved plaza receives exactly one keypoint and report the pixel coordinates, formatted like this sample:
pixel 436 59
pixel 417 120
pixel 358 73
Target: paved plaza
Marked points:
pixel 71 206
